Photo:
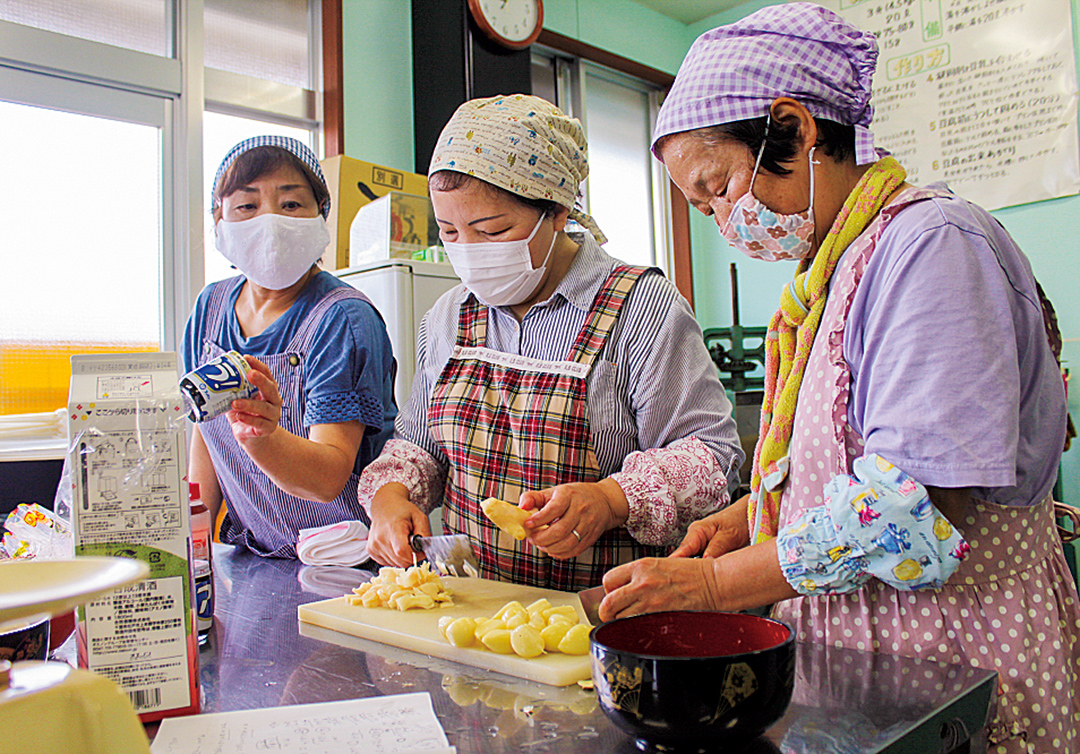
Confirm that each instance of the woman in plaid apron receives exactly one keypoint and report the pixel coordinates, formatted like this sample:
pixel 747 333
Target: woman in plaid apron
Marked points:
pixel 914 413
pixel 555 376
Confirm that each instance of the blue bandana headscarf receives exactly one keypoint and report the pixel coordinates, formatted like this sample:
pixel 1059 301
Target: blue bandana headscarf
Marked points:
pixel 287 143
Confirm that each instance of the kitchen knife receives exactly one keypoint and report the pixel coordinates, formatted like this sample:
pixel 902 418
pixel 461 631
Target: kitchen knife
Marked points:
pixel 590 603
pixel 451 554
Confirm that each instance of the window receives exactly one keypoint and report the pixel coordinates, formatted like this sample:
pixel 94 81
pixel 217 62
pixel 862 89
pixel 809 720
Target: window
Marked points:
pixel 115 121
pixel 626 192
pixel 220 133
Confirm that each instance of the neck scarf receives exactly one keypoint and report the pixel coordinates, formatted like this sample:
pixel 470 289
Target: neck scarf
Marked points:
pixel 791 335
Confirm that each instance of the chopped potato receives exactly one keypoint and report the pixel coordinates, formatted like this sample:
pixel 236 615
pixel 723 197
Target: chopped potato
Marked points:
pixel 403 589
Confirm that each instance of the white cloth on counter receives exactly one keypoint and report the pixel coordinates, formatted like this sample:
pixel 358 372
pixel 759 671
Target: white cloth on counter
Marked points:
pixel 340 544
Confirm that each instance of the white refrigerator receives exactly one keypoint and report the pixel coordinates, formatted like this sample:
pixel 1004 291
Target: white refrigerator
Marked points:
pixel 402 290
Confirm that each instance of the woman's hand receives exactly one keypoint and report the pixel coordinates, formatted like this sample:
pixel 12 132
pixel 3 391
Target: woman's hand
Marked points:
pixel 254 419
pixel 746 578
pixel 394 519
pixel 650 585
pixel 715 535
pixel 575 515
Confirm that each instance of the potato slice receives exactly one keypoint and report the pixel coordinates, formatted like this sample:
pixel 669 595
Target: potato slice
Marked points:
pixel 507 517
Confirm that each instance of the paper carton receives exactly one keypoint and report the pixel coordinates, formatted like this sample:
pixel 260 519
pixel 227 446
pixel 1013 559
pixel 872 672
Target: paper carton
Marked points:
pixel 353 183
pixel 128 460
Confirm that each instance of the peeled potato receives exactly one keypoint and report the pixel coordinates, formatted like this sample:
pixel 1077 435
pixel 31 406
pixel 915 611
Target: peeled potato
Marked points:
pixel 526 641
pixel 462 632
pixel 576 640
pixel 554 634
pixel 507 517
pixel 498 640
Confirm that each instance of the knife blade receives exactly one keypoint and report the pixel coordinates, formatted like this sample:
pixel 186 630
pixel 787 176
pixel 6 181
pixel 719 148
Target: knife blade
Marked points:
pixel 590 603
pixel 451 554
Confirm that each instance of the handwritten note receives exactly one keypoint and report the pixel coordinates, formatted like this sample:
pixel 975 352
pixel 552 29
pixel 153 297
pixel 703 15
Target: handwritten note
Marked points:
pixel 399 724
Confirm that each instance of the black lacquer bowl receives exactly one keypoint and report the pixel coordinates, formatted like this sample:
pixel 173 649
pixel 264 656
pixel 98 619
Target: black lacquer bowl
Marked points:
pixel 693 681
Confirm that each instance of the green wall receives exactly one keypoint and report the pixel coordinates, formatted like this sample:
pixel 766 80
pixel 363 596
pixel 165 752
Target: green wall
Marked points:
pixel 378 128
pixel 378 62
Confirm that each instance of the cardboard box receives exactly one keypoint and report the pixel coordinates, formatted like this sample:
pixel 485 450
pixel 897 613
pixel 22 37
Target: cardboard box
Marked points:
pixel 395 226
pixel 354 183
pixel 128 462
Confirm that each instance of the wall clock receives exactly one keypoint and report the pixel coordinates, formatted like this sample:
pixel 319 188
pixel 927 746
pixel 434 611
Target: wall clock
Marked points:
pixel 514 24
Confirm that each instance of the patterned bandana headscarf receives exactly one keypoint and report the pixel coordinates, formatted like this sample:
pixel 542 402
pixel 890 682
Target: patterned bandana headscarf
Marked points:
pixel 297 148
pixel 522 144
pixel 797 50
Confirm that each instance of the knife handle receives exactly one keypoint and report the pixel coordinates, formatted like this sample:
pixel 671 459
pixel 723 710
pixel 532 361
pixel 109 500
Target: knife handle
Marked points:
pixel 414 542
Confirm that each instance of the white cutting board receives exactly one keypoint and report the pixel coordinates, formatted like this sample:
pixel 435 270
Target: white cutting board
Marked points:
pixel 418 630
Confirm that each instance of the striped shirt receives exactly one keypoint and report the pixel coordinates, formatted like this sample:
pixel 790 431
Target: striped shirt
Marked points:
pixel 652 386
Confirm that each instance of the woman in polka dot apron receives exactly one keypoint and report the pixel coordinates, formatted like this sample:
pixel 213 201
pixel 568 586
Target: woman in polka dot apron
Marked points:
pixel 914 414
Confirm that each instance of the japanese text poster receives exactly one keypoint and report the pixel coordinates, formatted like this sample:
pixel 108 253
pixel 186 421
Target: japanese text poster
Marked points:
pixel 980 94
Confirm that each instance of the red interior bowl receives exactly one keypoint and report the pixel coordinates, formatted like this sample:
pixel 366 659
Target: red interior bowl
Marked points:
pixel 691 634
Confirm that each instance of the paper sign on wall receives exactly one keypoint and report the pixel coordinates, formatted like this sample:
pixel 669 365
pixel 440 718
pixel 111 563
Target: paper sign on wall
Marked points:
pixel 979 93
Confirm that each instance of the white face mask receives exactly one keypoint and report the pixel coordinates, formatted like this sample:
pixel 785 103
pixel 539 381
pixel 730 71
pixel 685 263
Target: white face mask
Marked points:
pixel 500 273
pixel 273 251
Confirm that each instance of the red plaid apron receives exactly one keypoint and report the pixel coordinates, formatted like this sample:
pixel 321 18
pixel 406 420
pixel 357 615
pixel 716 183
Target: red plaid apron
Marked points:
pixel 511 424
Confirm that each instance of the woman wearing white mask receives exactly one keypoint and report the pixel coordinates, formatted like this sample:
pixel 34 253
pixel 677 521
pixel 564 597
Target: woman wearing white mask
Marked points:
pixel 319 354
pixel 555 377
pixel 914 413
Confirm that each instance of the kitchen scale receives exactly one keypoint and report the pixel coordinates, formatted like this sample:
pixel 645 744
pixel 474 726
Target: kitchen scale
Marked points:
pixel 50 707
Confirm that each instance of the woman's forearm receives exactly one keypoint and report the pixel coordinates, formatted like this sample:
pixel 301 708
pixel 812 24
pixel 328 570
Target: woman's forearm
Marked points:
pixel 750 577
pixel 310 469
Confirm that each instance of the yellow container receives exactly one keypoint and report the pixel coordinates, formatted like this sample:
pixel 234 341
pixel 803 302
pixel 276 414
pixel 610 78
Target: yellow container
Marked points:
pixel 354 183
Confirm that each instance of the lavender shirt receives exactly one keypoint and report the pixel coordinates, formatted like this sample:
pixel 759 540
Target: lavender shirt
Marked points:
pixel 952 377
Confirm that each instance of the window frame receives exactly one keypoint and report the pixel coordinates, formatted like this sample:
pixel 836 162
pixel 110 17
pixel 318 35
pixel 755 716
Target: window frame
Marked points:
pixel 671 211
pixel 94 78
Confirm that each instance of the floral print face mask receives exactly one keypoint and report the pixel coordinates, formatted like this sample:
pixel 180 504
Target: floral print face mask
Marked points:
pixel 760 233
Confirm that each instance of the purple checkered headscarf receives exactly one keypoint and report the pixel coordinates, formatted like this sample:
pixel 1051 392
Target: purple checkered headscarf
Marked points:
pixel 797 50
pixel 295 146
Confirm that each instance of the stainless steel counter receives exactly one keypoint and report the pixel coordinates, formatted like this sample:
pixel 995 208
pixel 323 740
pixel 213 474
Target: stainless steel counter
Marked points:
pixel 258 655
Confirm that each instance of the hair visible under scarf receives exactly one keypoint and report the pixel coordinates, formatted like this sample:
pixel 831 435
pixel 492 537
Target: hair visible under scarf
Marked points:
pixel 522 144
pixel 294 147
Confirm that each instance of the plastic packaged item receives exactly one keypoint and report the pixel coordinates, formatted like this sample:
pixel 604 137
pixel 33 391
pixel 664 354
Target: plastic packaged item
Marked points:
pixel 210 390
pixel 201 559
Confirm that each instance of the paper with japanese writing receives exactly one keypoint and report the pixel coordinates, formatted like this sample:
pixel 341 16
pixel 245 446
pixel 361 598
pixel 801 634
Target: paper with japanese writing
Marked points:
pixel 981 94
pixel 398 724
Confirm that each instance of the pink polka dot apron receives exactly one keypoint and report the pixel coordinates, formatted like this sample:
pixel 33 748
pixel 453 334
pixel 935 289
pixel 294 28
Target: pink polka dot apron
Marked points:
pixel 1012 597
pixel 511 424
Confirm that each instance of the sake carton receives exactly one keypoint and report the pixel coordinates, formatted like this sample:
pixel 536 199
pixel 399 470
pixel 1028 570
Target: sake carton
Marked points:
pixel 128 462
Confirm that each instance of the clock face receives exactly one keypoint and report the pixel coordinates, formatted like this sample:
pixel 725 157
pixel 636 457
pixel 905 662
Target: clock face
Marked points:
pixel 514 23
